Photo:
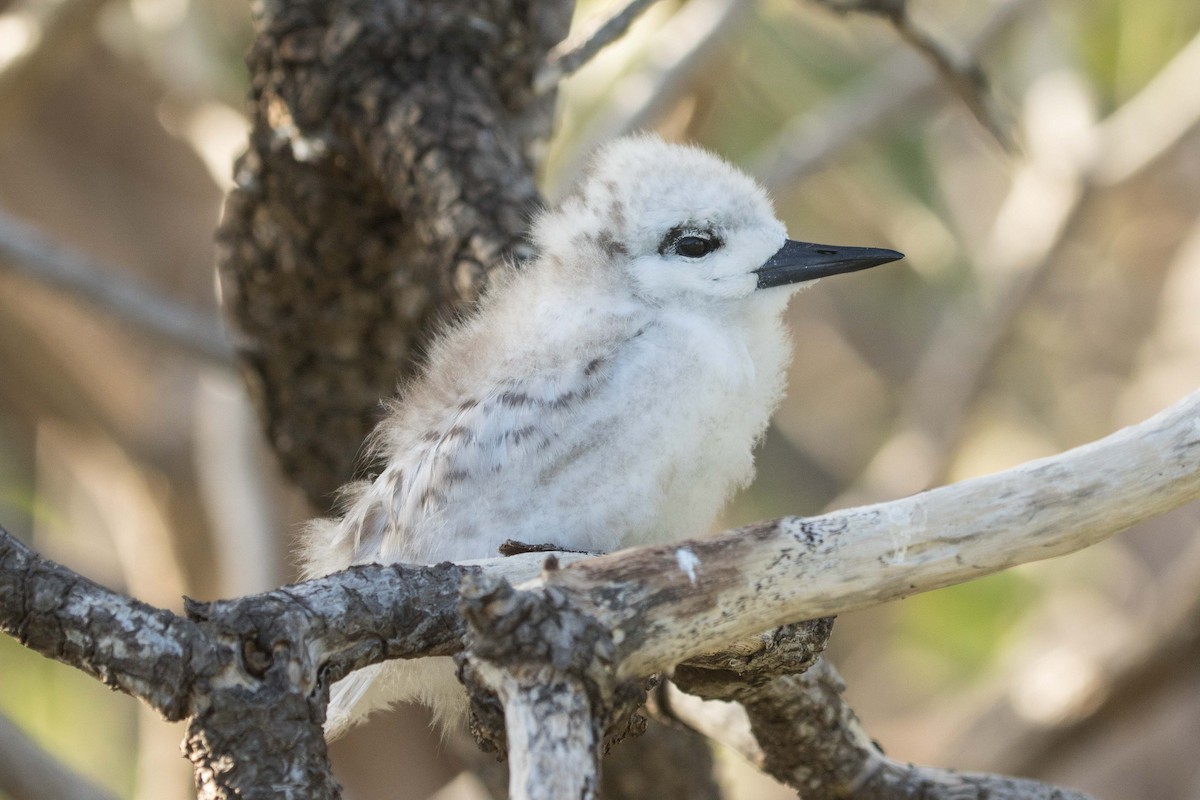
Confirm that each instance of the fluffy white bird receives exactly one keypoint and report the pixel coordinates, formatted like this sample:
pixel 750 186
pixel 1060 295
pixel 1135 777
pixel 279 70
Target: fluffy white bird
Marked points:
pixel 609 393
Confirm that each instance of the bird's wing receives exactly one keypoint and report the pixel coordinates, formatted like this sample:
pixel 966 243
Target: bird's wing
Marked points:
pixel 487 437
pixel 444 447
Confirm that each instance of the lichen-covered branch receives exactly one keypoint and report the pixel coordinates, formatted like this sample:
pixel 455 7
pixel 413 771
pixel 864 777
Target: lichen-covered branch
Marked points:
pixel 251 675
pixel 541 675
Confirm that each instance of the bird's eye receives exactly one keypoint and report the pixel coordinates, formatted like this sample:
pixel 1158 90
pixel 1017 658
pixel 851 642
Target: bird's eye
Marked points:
pixel 694 246
pixel 689 243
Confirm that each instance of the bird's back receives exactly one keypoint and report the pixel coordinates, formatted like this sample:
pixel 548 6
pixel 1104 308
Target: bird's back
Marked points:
pixel 604 427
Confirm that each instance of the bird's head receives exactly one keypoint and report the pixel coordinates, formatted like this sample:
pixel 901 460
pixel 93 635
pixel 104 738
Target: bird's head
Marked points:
pixel 678 224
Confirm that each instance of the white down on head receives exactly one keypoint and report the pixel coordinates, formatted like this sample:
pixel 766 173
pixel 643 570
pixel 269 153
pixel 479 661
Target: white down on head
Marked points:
pixel 608 393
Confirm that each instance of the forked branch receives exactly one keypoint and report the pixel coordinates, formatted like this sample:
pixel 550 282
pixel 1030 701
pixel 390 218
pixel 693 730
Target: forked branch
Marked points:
pixel 252 674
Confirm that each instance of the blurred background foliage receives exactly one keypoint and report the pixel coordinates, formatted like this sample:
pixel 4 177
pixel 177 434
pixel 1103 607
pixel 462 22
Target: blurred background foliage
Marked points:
pixel 1051 294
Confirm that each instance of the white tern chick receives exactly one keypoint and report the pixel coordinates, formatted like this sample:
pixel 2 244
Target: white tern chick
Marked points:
pixel 607 394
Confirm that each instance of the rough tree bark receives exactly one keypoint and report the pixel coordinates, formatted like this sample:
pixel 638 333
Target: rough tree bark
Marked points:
pixel 793 723
pixel 390 166
pixel 389 169
pixel 251 675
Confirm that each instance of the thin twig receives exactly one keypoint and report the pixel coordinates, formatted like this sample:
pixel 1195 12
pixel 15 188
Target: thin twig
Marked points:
pixel 962 73
pixel 572 53
pixel 815 138
pixel 677 53
pixel 30 253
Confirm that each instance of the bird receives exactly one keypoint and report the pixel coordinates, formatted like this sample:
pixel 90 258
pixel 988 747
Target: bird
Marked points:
pixel 606 393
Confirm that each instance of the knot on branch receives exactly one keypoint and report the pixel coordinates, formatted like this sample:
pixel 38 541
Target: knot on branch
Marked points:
pixel 539 639
pixel 740 670
pixel 271 635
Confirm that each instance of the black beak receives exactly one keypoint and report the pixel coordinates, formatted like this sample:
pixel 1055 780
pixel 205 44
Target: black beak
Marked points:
pixel 803 261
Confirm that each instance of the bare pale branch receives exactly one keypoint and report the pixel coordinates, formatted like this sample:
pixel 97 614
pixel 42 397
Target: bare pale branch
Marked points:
pixel 796 568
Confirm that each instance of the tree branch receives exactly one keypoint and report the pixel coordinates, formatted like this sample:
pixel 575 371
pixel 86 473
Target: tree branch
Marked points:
pixel 769 573
pixel 27 252
pixel 253 673
pixel 806 735
pixel 693 36
pixel 655 607
pixel 389 170
pixel 961 73
pixel 128 645
pixel 1152 122
pixel 812 139
pixel 1048 198
pixel 571 54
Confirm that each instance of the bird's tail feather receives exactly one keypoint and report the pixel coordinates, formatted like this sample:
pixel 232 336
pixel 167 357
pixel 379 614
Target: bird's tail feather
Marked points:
pixel 429 681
